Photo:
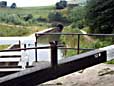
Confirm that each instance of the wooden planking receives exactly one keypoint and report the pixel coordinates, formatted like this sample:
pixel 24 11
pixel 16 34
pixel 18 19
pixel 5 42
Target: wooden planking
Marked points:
pixel 10 53
pixel 10 69
pixel 10 59
pixel 44 72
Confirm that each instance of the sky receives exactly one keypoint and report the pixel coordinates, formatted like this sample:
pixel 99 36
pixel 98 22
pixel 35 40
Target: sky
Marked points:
pixel 29 3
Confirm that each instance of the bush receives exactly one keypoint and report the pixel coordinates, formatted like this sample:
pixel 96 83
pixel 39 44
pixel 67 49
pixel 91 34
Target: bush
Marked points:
pixel 40 19
pixel 28 17
pixel 100 16
pixel 98 43
pixel 77 17
pixel 13 5
pixel 77 14
pixel 13 19
pixel 61 5
pixel 78 24
pixel 57 17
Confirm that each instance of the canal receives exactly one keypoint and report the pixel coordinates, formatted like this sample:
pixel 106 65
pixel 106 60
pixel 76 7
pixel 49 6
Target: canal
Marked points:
pixel 43 54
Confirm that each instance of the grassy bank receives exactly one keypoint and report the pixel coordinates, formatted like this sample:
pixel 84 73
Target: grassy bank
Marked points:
pixel 72 41
pixel 35 11
pixel 3 47
pixel 26 16
pixel 14 30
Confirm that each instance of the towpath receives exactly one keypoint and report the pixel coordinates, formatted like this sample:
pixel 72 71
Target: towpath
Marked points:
pixel 87 37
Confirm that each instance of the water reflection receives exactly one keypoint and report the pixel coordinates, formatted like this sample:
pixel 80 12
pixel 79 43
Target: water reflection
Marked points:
pixel 45 39
pixel 43 54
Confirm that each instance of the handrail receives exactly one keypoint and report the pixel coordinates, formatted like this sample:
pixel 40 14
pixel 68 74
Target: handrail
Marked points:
pixel 89 34
pixel 58 46
pixel 78 40
pixel 53 46
pixel 76 48
pixel 18 49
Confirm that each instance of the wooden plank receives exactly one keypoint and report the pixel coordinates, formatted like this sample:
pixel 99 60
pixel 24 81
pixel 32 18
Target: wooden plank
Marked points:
pixel 10 69
pixel 12 66
pixel 10 53
pixel 10 59
pixel 44 31
pixel 45 72
pixel 9 66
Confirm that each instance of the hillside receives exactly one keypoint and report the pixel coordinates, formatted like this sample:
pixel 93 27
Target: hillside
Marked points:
pixel 36 11
pixel 25 20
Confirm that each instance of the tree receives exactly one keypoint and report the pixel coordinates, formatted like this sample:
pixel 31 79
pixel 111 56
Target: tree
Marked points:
pixel 77 16
pixel 28 17
pixel 57 16
pixel 64 3
pixel 100 16
pixel 61 5
pixel 13 5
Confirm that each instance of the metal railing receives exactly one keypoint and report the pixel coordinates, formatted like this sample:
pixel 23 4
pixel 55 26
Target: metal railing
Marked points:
pixel 78 39
pixel 54 53
pixel 54 46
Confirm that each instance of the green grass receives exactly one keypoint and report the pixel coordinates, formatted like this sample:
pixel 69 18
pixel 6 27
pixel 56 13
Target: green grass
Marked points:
pixel 110 62
pixel 71 41
pixel 27 29
pixel 3 47
pixel 42 11
pixel 13 30
pixel 86 29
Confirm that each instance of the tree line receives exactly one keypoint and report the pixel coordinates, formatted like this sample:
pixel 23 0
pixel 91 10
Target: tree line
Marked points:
pixel 3 4
pixel 100 16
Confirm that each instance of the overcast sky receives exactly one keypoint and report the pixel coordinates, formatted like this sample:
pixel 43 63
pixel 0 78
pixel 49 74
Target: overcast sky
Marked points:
pixel 29 3
pixel 25 3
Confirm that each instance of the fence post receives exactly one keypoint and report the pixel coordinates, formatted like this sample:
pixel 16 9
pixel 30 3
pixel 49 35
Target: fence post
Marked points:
pixel 78 45
pixel 36 49
pixel 19 44
pixel 27 64
pixel 54 53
